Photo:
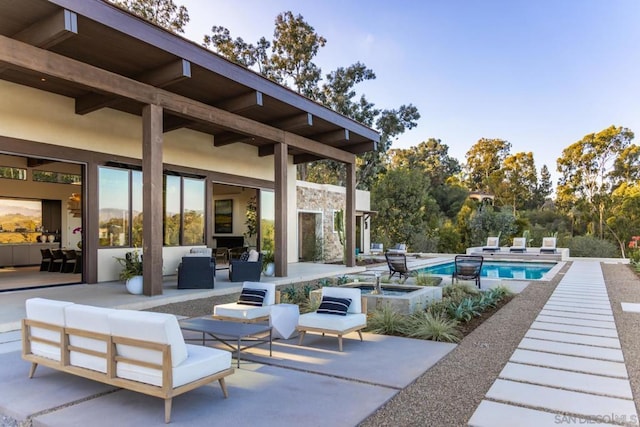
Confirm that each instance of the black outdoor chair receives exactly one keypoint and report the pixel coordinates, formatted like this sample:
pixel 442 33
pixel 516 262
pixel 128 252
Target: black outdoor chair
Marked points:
pixel 397 265
pixel 243 270
pixel 196 272
pixel 467 267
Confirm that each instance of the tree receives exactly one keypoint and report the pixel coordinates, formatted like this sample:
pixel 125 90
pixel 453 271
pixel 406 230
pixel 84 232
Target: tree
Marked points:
pixel 164 13
pixel 624 216
pixel 405 209
pixel 484 163
pixel 545 187
pixel 294 46
pixel 520 181
pixel 588 173
pixel 432 157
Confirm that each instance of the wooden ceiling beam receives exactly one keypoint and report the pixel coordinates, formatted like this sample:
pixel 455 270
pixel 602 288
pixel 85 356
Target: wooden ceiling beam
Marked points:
pixel 50 31
pixel 22 55
pixel 363 147
pixel 305 158
pixel 228 138
pixel 341 135
pixel 164 76
pixel 296 122
pixel 170 123
pixel 266 150
pixel 242 103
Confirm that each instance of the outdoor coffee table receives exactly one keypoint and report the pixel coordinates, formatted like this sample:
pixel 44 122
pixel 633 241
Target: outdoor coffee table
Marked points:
pixel 231 334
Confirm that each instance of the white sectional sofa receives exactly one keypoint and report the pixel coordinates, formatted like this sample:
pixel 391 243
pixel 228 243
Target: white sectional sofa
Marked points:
pixel 140 351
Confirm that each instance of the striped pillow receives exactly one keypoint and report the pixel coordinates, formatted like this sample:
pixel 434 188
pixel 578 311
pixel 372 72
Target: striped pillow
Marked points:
pixel 332 305
pixel 254 297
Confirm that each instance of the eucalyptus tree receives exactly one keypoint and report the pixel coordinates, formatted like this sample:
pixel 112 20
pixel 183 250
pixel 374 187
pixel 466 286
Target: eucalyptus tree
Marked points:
pixel 483 169
pixel 519 182
pixel 164 13
pixel 589 174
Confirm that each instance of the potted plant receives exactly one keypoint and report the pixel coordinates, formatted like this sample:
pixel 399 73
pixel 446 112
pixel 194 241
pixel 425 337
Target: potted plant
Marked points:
pixel 268 263
pixel 131 272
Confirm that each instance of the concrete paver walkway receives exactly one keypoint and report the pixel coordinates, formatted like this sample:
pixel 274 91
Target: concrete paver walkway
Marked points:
pixel 569 367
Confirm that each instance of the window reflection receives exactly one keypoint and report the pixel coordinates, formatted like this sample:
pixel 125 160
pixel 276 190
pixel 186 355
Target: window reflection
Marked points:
pixel 267 220
pixel 172 217
pixel 113 207
pixel 193 211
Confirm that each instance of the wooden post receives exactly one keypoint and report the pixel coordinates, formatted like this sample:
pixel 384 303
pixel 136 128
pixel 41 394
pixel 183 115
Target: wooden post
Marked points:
pixel 152 199
pixel 350 215
pixel 280 181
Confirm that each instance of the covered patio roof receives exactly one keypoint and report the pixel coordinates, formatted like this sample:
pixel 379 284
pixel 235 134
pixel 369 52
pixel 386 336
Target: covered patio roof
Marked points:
pixel 98 34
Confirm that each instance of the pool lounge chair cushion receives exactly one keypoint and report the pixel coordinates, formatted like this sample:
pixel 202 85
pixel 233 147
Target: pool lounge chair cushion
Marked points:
pixel 493 244
pixel 548 245
pixel 519 245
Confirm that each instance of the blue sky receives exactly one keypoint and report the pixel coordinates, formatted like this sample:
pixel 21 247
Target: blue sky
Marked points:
pixel 540 74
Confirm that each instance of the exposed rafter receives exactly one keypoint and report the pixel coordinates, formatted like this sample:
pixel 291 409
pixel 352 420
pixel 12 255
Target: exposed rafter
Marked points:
pixel 341 135
pixel 167 75
pixel 296 122
pixel 170 123
pixel 242 103
pixel 50 31
pixel 228 138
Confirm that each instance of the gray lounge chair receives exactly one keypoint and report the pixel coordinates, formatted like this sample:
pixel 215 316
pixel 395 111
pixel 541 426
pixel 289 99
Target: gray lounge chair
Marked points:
pixel 397 265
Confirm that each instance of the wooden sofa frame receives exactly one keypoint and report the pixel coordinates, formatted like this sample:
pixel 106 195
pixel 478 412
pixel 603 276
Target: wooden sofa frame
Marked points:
pixel 166 391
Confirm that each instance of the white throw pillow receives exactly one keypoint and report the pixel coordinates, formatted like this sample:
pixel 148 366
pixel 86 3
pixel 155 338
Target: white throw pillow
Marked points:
pixel 253 255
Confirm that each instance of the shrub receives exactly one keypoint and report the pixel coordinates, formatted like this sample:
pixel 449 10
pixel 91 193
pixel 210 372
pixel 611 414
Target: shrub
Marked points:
pixel 458 292
pixel 387 321
pixel 427 326
pixel 464 310
pixel 589 246
pixel 423 279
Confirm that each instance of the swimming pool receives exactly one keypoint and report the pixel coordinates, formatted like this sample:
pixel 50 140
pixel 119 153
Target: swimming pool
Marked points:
pixel 499 269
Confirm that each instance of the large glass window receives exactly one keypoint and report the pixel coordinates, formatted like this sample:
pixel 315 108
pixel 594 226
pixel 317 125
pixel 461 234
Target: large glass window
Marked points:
pixel 121 215
pixel 267 220
pixel 172 217
pixel 113 206
pixel 193 211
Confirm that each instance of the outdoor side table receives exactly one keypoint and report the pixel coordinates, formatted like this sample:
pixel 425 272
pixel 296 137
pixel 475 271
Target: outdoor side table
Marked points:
pixel 284 319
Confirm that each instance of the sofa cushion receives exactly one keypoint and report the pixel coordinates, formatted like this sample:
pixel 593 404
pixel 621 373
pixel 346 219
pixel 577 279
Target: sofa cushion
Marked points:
pixel 200 362
pixel 88 318
pixel 241 311
pixel 244 257
pixel 335 306
pixel 251 296
pixel 330 322
pixel 148 326
pixel 49 311
pixel 253 256
pixel 353 293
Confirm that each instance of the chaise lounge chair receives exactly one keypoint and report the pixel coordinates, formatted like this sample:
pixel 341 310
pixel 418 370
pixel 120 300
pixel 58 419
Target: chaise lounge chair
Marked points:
pixel 397 265
pixel 493 245
pixel 399 248
pixel 519 245
pixel 548 245
pixel 467 267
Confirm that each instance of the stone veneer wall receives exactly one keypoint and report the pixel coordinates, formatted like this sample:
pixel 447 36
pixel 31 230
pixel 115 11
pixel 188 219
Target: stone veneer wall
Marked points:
pixel 320 200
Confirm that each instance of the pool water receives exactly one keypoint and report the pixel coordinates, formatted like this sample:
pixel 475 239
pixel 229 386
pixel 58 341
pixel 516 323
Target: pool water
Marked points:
pixel 499 269
pixel 366 290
